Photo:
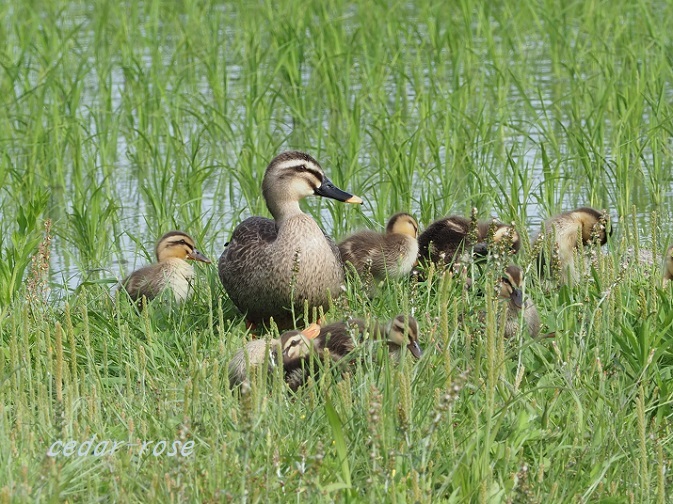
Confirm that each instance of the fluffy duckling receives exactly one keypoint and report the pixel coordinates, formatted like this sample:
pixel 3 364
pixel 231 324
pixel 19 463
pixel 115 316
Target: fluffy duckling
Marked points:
pixel 343 338
pixel 510 291
pixel 392 253
pixel 668 265
pixel 293 346
pixel 271 265
pixel 170 272
pixel 445 240
pixel 564 230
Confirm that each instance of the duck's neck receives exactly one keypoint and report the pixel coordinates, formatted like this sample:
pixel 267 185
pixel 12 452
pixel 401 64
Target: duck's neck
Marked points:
pixel 284 209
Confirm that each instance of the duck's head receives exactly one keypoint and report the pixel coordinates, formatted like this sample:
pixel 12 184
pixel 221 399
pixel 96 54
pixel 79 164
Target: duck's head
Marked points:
pixel 503 232
pixel 500 233
pixel 595 224
pixel 510 286
pixel 403 331
pixel 176 244
pixel 294 175
pixel 298 344
pixel 402 223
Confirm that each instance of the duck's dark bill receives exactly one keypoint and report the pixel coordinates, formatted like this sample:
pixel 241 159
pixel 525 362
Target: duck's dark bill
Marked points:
pixel 415 349
pixel 329 190
pixel 517 298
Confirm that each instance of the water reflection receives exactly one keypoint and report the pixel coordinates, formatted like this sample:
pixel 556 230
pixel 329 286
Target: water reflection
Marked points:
pixel 531 112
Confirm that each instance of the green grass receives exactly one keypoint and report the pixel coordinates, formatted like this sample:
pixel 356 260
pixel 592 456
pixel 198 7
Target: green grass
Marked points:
pixel 123 120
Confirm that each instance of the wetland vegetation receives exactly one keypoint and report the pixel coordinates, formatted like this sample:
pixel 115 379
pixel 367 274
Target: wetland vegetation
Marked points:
pixel 124 120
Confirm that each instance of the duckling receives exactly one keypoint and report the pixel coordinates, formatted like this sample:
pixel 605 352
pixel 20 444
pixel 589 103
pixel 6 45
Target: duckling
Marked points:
pixel 510 290
pixel 393 254
pixel 293 346
pixel 668 265
pixel 171 272
pixel 271 266
pixel 565 228
pixel 343 338
pixel 445 240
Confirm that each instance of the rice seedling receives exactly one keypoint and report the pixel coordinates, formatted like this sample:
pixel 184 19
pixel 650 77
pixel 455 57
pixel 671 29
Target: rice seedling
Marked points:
pixel 125 120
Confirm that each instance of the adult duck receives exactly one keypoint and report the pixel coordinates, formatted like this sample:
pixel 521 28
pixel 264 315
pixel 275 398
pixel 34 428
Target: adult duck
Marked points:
pixel 271 267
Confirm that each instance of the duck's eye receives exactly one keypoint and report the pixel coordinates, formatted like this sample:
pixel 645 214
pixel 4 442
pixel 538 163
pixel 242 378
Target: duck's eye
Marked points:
pixel 294 343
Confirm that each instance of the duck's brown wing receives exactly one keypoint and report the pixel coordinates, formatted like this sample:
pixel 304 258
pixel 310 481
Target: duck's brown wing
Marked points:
pixel 243 256
pixel 362 250
pixel 147 281
pixel 341 338
pixel 249 235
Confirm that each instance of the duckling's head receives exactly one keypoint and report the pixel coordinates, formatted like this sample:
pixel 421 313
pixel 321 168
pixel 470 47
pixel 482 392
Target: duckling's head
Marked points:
pixel 510 286
pixel 402 223
pixel 294 175
pixel 595 224
pixel 668 264
pixel 298 344
pixel 176 244
pixel 501 234
pixel 403 331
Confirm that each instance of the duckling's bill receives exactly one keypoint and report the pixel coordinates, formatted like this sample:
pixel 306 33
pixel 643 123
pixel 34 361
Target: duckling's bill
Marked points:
pixel 312 331
pixel 415 349
pixel 195 255
pixel 517 298
pixel 328 190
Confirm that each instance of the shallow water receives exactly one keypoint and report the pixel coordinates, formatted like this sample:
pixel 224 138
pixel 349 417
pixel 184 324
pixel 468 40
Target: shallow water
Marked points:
pixel 522 133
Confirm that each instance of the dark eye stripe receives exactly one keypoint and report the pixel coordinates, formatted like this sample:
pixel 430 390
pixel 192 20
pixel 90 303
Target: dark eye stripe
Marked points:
pixel 304 169
pixel 181 242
